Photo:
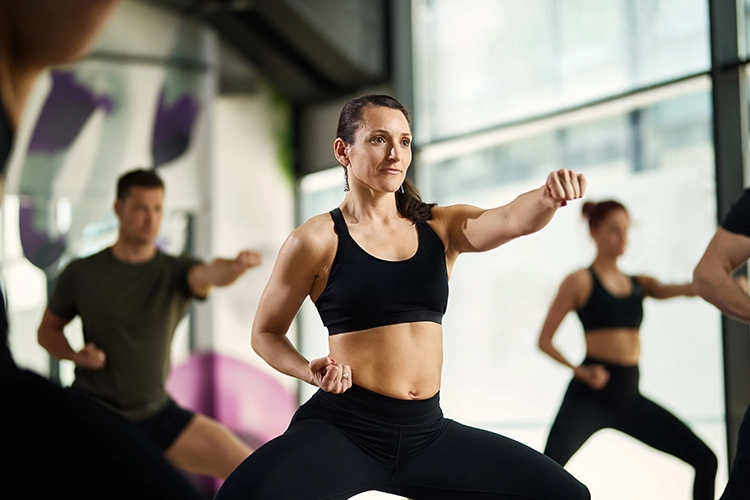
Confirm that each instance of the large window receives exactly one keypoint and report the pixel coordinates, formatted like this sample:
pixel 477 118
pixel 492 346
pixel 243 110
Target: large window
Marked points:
pixel 486 62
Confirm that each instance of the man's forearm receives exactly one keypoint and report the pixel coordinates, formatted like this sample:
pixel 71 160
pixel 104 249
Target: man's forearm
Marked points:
pixel 222 272
pixel 56 344
pixel 723 292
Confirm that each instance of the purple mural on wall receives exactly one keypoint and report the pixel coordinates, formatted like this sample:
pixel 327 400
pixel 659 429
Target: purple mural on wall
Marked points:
pixel 38 247
pixel 254 405
pixel 250 402
pixel 68 107
pixel 173 128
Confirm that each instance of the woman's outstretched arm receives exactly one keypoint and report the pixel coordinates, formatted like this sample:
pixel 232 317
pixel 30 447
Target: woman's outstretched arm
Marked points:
pixel 472 229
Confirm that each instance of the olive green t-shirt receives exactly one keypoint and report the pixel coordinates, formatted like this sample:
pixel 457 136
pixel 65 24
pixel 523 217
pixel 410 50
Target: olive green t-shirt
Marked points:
pixel 130 311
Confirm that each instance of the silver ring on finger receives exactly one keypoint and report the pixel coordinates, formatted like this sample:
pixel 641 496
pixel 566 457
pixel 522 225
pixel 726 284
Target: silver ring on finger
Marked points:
pixel 344 375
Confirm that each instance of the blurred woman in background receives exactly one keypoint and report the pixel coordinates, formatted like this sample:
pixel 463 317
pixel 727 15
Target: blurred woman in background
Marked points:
pixel 604 391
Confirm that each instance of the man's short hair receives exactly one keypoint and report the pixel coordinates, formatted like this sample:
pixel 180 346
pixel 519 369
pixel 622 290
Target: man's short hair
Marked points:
pixel 137 178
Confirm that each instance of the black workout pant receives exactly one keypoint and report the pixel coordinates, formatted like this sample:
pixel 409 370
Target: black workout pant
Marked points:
pixel 340 445
pixel 620 406
pixel 738 487
pixel 57 443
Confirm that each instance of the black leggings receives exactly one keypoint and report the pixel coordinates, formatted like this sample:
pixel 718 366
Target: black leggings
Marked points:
pixel 58 443
pixel 738 487
pixel 340 445
pixel 621 406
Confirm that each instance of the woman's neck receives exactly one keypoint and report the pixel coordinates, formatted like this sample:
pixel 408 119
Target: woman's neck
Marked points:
pixel 605 264
pixel 380 208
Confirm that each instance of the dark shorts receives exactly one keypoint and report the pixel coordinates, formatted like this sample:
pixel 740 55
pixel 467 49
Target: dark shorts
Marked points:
pixel 163 427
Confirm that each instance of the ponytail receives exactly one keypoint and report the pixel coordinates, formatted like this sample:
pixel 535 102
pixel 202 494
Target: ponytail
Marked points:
pixel 410 204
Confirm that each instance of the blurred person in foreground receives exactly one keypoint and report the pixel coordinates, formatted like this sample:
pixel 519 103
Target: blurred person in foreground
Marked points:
pixel 55 443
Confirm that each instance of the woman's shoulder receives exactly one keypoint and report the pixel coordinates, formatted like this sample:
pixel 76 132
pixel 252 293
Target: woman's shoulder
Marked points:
pixel 578 281
pixel 583 273
pixel 315 234
pixel 446 216
pixel 317 222
pixel 577 287
pixel 446 211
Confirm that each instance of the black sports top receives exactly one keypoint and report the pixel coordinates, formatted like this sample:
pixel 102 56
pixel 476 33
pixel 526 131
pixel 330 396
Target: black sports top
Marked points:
pixel 366 292
pixel 738 219
pixel 604 310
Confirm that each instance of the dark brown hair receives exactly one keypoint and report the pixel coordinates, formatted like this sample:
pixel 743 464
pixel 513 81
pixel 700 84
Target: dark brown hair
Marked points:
pixel 597 212
pixel 137 178
pixel 408 201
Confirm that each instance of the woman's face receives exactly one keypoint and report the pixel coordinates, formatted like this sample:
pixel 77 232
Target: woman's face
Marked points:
pixel 611 235
pixel 381 152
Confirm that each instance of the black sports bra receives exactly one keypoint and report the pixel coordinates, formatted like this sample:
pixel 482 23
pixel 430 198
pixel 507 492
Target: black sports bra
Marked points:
pixel 604 310
pixel 366 292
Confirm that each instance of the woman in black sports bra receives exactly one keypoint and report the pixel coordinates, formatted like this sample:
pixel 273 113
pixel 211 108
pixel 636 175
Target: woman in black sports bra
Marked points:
pixel 377 269
pixel 604 390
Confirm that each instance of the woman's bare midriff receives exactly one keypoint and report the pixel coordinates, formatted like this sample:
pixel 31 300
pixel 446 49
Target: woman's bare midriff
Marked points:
pixel 619 346
pixel 403 361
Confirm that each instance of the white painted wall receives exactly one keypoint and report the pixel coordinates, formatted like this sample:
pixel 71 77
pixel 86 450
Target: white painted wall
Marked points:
pixel 249 205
